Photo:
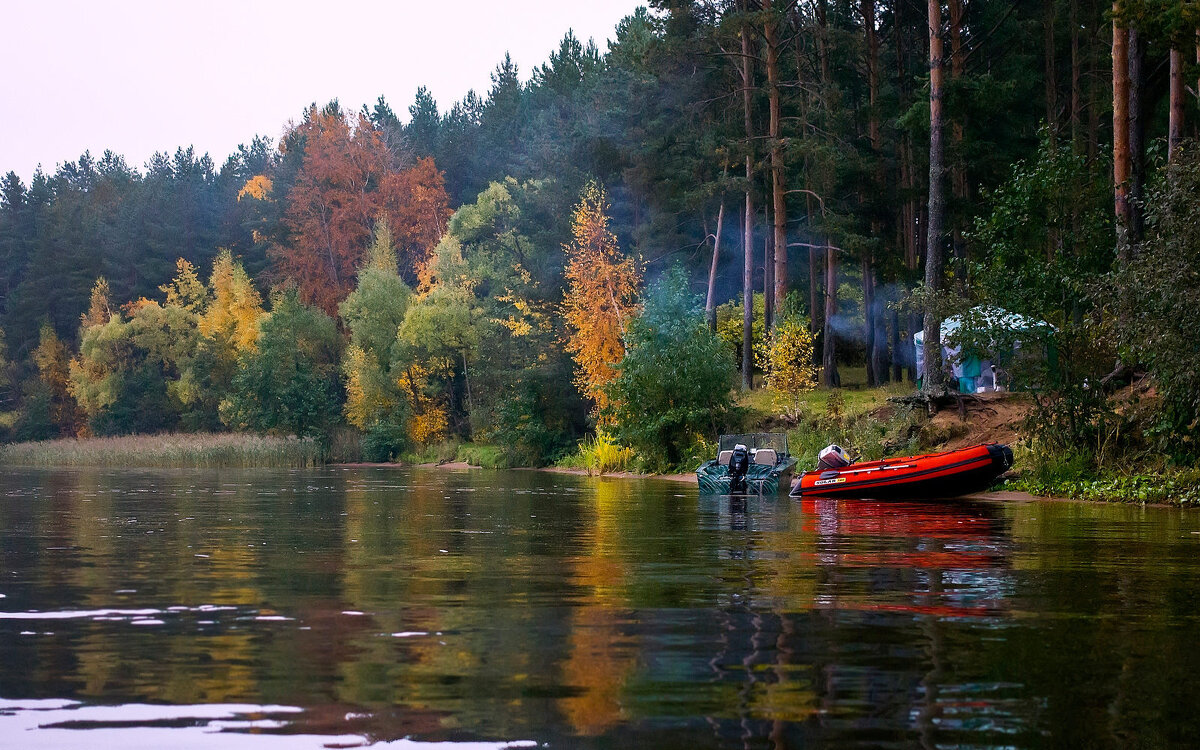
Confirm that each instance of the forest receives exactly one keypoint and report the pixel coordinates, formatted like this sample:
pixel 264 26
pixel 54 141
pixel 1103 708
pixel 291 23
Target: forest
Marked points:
pixel 617 246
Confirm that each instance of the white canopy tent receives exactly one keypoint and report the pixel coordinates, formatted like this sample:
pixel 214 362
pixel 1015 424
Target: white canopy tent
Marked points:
pixel 974 374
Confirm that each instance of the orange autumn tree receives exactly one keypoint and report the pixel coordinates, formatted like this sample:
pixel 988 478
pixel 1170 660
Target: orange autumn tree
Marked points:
pixel 347 177
pixel 415 203
pixel 600 298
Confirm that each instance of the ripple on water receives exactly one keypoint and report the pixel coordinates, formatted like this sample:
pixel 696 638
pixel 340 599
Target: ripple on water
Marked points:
pixel 46 724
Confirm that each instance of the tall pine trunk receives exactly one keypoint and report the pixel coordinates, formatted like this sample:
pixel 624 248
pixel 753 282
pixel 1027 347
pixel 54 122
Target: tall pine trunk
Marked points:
pixel 958 167
pixel 1120 91
pixel 868 290
pixel 876 347
pixel 778 189
pixel 1137 135
pixel 829 349
pixel 748 221
pixel 710 301
pixel 815 282
pixel 1076 93
pixel 1175 123
pixel 1051 74
pixel 933 380
pixel 897 358
pixel 768 259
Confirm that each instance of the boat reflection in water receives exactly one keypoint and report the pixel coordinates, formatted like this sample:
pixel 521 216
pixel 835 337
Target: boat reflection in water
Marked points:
pixel 947 557
pixel 850 613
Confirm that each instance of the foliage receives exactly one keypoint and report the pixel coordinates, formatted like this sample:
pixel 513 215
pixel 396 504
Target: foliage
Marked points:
pixel 789 360
pixel 490 318
pixel 599 299
pixel 434 453
pixel 370 395
pixel 477 353
pixel 1046 245
pixel 673 385
pixel 1164 279
pixel 127 374
pixel 258 187
pixel 151 366
pixel 186 290
pixel 601 454
pixel 436 335
pixel 230 317
pixel 729 328
pixel 485 456
pixel 374 312
pixel 1046 237
pixel 52 359
pixel 384 441
pixel 288 384
pixel 1075 474
pixel 1174 488
pixel 345 179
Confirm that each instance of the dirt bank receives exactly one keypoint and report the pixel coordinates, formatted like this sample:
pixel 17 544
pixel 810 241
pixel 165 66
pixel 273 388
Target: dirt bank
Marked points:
pixel 982 418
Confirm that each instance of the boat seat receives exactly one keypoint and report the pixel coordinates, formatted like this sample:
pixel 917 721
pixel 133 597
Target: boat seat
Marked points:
pixel 766 457
pixel 723 458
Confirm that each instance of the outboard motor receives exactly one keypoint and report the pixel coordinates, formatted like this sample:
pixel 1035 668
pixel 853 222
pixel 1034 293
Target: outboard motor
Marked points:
pixel 832 457
pixel 739 466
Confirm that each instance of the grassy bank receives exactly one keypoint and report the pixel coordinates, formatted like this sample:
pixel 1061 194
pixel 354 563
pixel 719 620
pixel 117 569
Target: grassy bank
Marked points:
pixel 450 451
pixel 1075 476
pixel 195 450
pixel 1167 488
pixel 857 419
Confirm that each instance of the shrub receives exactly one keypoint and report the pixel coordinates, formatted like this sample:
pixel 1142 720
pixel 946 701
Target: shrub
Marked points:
pixel 602 454
pixel 674 384
pixel 1161 282
pixel 788 361
pixel 384 441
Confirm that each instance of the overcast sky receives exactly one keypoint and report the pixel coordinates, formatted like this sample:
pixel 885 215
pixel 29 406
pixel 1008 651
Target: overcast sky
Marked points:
pixel 144 76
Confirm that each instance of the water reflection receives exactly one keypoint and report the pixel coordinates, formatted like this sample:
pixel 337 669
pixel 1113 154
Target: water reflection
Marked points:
pixel 367 606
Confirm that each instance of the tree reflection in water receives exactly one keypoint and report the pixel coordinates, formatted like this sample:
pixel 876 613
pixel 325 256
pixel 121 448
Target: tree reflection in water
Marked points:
pixel 498 606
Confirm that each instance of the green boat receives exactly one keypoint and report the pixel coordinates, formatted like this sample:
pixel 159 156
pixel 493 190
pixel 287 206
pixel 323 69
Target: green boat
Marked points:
pixel 769 471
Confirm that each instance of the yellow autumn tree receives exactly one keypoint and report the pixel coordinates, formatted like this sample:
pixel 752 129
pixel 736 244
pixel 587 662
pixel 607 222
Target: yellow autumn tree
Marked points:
pixel 788 361
pixel 600 298
pixel 429 421
pixel 186 290
pixel 258 187
pixel 373 313
pixel 233 312
pixel 99 306
pixel 53 361
pixel 368 392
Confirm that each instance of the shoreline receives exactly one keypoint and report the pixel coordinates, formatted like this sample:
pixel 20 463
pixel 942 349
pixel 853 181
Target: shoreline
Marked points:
pixel 463 465
pixel 1000 496
pixel 995 496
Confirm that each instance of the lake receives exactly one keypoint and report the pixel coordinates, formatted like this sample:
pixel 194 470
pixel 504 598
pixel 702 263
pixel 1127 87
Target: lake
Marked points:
pixel 350 607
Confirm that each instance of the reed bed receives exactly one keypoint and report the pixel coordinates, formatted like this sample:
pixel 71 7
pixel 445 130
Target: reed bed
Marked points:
pixel 191 450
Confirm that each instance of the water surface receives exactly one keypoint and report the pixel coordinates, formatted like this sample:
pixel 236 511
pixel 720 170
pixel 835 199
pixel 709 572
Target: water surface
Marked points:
pixel 394 608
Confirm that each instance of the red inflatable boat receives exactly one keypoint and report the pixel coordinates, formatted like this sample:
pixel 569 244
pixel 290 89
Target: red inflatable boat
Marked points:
pixel 948 474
